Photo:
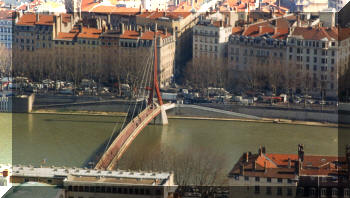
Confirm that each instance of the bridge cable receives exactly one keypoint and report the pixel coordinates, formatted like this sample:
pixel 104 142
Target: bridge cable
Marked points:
pixel 125 118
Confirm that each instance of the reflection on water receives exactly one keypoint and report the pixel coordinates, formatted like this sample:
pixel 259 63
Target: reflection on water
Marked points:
pixel 71 140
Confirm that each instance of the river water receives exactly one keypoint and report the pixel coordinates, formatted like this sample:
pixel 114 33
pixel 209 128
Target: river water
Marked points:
pixel 73 140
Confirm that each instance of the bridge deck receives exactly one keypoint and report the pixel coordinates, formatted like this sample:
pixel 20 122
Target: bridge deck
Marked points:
pixel 126 136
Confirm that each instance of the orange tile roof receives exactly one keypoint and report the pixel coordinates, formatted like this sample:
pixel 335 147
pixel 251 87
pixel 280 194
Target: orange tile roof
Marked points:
pixel 237 30
pixel 6 14
pixel 66 36
pixel 88 32
pixel 91 6
pixel 318 33
pixel 66 18
pixel 276 165
pixel 157 15
pixel 344 33
pixel 30 19
pixel 282 33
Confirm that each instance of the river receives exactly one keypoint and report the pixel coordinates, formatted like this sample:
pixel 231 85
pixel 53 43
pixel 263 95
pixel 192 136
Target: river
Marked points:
pixel 73 140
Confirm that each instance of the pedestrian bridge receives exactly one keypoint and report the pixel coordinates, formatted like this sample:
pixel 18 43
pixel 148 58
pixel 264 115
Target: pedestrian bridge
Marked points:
pixel 120 144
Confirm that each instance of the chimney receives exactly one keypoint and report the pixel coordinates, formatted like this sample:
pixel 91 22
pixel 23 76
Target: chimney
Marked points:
pixel 246 157
pixel 98 23
pixel 71 21
pixel 55 25
pixel 108 19
pixel 80 27
pixel 260 151
pixel 140 32
pixel 122 28
pixel 301 152
pixel 289 163
pixel 241 169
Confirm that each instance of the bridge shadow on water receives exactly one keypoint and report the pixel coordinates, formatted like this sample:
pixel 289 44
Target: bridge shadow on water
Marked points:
pixel 97 154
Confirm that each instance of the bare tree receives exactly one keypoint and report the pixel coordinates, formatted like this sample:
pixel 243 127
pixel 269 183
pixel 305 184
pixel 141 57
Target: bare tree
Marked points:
pixel 5 60
pixel 198 167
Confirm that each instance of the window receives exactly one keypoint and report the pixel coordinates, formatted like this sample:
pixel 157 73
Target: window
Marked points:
pixel 315 51
pixel 268 190
pixel 289 181
pixel 279 190
pixel 257 179
pixel 289 192
pixel 236 177
pixel 312 192
pixel 334 192
pixel 268 179
pixel 257 189
pixel 246 178
pixel 279 180
pixel 346 192
pixel 323 192
pixel 300 191
pixel 315 68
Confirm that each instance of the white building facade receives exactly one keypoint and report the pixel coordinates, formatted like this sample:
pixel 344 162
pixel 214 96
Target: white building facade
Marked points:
pixel 210 39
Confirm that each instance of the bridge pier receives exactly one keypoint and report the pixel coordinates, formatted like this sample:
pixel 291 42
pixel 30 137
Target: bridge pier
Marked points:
pixel 162 118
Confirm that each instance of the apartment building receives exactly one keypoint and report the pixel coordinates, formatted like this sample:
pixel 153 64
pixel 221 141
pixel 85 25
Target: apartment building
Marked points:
pixel 84 50
pixel 337 4
pixel 288 175
pixel 210 39
pixel 6 22
pixel 319 52
pixel 260 43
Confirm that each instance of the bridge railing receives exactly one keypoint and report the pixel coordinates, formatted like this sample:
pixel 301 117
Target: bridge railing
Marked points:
pixel 5 104
pixel 122 137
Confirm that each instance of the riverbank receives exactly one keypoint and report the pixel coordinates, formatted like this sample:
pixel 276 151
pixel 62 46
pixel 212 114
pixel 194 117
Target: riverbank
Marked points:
pixel 263 120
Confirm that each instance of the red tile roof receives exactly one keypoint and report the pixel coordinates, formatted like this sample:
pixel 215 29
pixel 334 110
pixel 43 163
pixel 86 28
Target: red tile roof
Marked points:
pixel 318 33
pixel 91 6
pixel 344 33
pixel 157 15
pixel 66 36
pixel 30 20
pixel 88 32
pixel 6 14
pixel 276 165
